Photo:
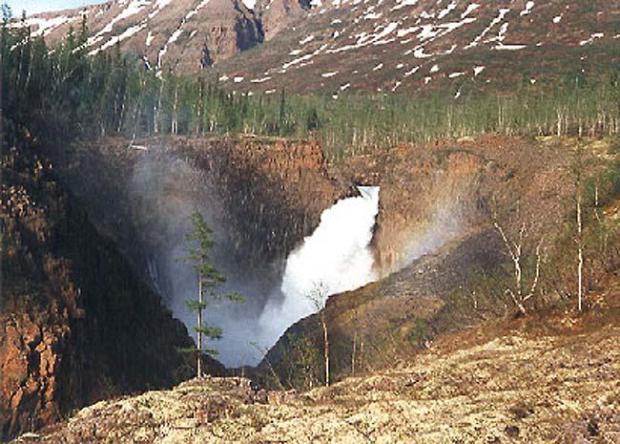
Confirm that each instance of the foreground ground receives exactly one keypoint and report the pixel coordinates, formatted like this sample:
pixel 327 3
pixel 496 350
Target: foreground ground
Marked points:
pixel 553 377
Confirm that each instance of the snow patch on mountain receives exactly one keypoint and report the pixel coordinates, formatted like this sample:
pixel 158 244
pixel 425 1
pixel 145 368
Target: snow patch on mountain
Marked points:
pixel 529 6
pixel 403 3
pixel 471 8
pixel 42 25
pixel 497 20
pixel 595 36
pixel 119 38
pixel 444 12
pixel 132 8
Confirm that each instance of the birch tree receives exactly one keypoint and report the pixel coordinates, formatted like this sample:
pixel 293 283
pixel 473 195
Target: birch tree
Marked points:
pixel 317 296
pixel 520 292
pixel 579 219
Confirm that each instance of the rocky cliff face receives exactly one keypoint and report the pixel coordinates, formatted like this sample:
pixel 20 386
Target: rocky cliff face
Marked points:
pixel 78 324
pixel 433 194
pixel 273 191
pixel 278 15
pixel 180 35
pixel 260 196
pixel 435 236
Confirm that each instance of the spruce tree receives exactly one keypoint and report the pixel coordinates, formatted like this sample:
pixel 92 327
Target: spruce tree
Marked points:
pixel 200 242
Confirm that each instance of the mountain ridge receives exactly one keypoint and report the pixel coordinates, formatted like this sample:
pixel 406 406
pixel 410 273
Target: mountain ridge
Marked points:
pixel 393 46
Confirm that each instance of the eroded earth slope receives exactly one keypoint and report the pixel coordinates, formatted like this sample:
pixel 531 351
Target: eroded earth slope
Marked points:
pixel 553 377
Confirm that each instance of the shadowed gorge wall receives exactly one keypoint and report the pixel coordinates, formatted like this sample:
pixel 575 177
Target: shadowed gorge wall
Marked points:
pixel 261 197
pixel 77 323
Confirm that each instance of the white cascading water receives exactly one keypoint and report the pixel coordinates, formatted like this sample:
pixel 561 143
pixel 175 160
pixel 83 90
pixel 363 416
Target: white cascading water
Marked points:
pixel 337 257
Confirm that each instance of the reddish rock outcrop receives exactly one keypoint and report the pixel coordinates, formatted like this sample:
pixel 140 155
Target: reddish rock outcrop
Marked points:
pixel 278 15
pixel 76 323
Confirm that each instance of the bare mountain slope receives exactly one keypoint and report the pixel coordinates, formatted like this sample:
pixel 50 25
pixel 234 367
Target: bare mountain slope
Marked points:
pixel 400 46
pixel 182 35
pixel 405 46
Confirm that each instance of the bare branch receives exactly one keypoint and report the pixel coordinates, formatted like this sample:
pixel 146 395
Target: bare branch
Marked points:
pixel 515 250
pixel 516 301
pixel 504 238
pixel 537 274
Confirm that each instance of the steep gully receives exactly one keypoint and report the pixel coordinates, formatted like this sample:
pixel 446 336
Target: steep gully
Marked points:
pixel 290 229
pixel 268 201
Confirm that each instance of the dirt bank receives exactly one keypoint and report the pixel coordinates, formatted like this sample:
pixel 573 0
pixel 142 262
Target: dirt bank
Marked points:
pixel 549 378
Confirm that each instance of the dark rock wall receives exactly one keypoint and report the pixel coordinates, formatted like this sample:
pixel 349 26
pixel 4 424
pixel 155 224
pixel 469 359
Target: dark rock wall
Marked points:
pixel 77 324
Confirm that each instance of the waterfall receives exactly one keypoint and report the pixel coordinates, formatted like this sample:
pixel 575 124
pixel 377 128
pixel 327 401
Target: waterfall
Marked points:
pixel 337 257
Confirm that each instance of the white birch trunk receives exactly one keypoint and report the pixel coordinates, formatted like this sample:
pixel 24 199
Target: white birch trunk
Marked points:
pixel 199 330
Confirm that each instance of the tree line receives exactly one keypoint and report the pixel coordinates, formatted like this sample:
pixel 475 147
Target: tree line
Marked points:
pixel 63 92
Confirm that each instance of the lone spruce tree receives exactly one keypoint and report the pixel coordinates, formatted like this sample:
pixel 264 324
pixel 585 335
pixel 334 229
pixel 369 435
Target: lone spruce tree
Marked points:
pixel 200 243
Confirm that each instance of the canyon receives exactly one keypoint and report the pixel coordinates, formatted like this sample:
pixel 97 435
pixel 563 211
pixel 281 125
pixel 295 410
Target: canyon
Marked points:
pixel 432 234
pixel 418 202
